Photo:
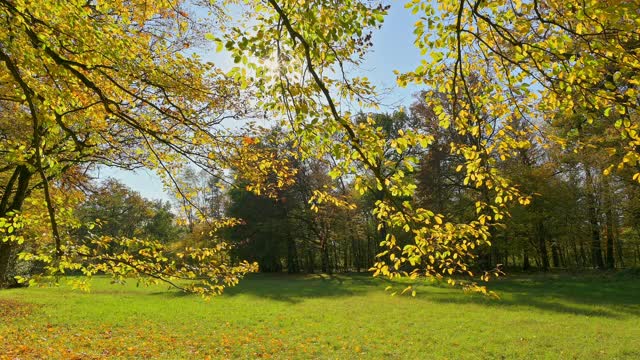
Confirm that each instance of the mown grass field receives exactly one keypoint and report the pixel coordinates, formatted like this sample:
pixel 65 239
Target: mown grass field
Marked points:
pixel 339 317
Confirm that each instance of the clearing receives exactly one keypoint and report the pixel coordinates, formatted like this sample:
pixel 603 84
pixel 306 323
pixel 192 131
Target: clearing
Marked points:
pixel 342 316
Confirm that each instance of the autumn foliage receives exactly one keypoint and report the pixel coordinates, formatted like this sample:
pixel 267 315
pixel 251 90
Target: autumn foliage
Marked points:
pixel 112 83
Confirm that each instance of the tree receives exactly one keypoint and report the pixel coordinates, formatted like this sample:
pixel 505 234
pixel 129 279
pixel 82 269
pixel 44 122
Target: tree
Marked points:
pixel 87 83
pixel 279 228
pixel 161 225
pixel 311 43
pixel 122 212
pixel 260 236
pixel 497 64
pixel 200 195
pixel 548 61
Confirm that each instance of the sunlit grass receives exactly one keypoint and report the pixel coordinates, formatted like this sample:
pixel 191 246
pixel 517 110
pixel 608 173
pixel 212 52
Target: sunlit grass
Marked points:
pixel 279 316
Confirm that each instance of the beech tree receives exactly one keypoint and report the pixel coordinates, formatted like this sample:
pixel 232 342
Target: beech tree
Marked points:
pixel 313 43
pixel 87 83
pixel 489 67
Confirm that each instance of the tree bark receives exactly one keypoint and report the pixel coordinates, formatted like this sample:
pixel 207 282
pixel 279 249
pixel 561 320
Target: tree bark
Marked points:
pixel 526 264
pixel 564 254
pixel 619 247
pixel 293 265
pixel 576 254
pixel 5 255
pixel 335 258
pixel 357 253
pixel 325 267
pixel 22 176
pixel 555 254
pixel 583 255
pixel 609 224
pixel 542 245
pixel 596 246
pixel 310 266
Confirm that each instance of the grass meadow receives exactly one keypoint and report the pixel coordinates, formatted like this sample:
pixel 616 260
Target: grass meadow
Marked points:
pixel 328 317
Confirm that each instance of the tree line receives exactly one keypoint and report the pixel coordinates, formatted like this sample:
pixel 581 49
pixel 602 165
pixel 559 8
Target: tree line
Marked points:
pixel 579 218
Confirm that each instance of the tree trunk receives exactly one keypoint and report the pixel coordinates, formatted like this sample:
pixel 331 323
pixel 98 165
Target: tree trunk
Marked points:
pixel 555 254
pixel 293 262
pixel 610 241
pixel 5 254
pixel 619 246
pixel 610 221
pixel 311 266
pixel 325 266
pixel 596 246
pixel 293 265
pixel 357 253
pixel 336 268
pixel 526 265
pixel 542 245
pixel 22 176
pixel 345 256
pixel 371 246
pixel 576 255
pixel 583 255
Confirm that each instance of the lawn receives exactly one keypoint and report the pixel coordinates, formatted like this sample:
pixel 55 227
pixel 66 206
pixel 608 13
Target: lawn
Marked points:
pixel 344 317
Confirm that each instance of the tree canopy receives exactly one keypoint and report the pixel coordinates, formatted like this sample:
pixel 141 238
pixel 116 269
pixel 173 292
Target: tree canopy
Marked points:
pixel 109 83
pixel 112 83
pixel 494 72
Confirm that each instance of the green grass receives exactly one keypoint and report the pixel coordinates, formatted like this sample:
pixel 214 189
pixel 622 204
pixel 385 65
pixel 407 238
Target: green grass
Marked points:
pixel 345 317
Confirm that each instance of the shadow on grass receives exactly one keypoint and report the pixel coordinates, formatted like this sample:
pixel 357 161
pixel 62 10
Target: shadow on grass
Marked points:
pixel 296 288
pixel 599 296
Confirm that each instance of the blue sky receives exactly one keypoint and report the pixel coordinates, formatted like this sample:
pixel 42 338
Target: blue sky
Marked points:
pixel 393 49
